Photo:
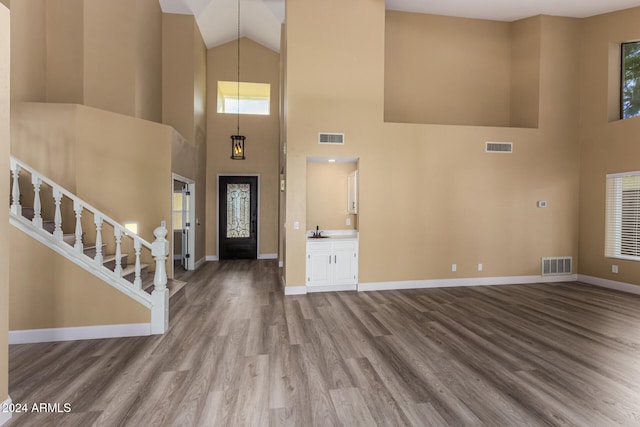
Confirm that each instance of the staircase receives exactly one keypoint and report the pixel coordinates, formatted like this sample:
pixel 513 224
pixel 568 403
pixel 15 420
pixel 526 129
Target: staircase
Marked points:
pixel 108 260
pixel 70 213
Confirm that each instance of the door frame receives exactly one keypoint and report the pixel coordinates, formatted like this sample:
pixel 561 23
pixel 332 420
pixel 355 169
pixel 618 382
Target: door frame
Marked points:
pixel 257 175
pixel 191 184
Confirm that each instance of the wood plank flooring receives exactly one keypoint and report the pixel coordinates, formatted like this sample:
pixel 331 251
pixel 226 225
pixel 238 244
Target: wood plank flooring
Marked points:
pixel 239 353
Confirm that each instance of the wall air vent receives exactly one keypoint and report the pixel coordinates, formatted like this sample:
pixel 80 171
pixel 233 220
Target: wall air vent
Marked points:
pixel 330 138
pixel 556 265
pixel 499 147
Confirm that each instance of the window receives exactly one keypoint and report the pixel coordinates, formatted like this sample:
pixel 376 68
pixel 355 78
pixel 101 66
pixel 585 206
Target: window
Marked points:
pixel 177 211
pixel 254 98
pixel 630 86
pixel 622 238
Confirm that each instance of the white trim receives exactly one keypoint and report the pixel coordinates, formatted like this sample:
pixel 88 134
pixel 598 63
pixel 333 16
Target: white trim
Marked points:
pixel 5 416
pixel 295 290
pixel 200 263
pixel 610 284
pixel 211 258
pixel 268 256
pixel 331 288
pixel 473 281
pixel 30 336
pixel 177 257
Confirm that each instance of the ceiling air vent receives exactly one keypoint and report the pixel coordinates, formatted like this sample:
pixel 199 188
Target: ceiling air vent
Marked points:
pixel 499 147
pixel 330 138
pixel 556 265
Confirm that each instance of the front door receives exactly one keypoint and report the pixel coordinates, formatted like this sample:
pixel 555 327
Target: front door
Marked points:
pixel 238 215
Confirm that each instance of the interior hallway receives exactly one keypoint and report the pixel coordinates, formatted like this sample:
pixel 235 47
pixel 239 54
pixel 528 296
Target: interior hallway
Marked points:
pixel 239 353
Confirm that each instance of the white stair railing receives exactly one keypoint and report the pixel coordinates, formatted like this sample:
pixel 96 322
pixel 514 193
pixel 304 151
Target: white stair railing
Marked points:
pixel 158 301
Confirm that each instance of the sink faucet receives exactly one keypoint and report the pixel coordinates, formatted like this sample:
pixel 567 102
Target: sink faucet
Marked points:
pixel 317 233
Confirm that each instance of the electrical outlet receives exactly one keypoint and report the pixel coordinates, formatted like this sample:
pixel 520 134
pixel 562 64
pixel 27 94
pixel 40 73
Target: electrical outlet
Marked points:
pixel 614 268
pixel 479 267
pixel 454 267
pixel 348 221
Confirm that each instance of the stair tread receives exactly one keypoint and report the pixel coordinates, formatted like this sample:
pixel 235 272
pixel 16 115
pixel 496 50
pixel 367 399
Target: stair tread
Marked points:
pixel 111 257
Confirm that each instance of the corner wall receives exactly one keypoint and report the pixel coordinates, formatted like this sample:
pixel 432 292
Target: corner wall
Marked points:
pixel 5 61
pixel 606 146
pixel 184 86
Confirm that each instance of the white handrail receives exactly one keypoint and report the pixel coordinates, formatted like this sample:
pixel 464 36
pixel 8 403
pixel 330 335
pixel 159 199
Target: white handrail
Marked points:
pixel 159 299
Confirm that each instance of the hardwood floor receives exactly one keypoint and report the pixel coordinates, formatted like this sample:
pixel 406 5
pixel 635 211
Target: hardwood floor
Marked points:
pixel 239 353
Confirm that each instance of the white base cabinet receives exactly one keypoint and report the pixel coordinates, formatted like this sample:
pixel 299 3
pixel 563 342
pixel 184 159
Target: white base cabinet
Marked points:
pixel 332 262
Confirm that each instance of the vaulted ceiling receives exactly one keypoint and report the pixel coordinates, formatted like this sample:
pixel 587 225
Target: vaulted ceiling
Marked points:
pixel 261 19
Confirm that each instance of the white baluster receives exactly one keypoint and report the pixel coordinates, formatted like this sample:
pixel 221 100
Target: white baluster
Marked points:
pixel 15 189
pixel 97 219
pixel 37 206
pixel 160 294
pixel 118 235
pixel 137 282
pixel 57 218
pixel 77 207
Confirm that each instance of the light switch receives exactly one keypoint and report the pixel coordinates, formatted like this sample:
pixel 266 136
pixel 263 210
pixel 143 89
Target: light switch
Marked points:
pixel 296 225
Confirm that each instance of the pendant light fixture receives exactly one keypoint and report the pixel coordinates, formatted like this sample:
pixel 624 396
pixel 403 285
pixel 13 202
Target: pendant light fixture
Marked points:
pixel 237 140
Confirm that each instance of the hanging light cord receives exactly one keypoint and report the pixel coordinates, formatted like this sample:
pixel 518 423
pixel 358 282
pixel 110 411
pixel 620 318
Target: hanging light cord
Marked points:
pixel 238 115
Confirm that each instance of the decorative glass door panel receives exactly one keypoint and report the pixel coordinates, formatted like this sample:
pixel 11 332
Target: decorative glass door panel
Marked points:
pixel 238 215
pixel 238 210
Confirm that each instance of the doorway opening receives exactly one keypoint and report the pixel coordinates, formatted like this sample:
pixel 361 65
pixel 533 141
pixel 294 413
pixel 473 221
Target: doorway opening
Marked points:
pixel 182 225
pixel 238 205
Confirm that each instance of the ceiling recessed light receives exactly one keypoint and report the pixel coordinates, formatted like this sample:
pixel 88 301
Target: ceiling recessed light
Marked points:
pixel 332 160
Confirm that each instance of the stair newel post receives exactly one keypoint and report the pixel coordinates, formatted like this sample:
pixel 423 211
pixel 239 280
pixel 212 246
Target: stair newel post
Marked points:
pixel 160 294
pixel 97 219
pixel 16 208
pixel 37 205
pixel 77 208
pixel 137 245
pixel 117 232
pixel 57 218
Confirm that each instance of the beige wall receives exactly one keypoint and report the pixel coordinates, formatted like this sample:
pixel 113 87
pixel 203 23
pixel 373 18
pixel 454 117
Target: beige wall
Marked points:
pixel 64 25
pixel 459 71
pixel 259 65
pixel 139 190
pixel 446 70
pixel 524 102
pixel 429 195
pixel 28 46
pixel 606 147
pixel 102 54
pixel 327 185
pixel 184 83
pixel 5 37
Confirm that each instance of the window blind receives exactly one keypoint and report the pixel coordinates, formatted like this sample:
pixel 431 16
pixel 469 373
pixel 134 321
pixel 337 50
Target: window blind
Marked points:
pixel 622 239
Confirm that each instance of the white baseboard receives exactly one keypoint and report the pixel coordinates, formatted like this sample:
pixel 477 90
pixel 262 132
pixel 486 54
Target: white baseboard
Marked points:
pixel 295 290
pixel 79 333
pixel 211 258
pixel 473 281
pixel 610 284
pixel 5 416
pixel 199 263
pixel 333 288
pixel 268 256
pixel 177 257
